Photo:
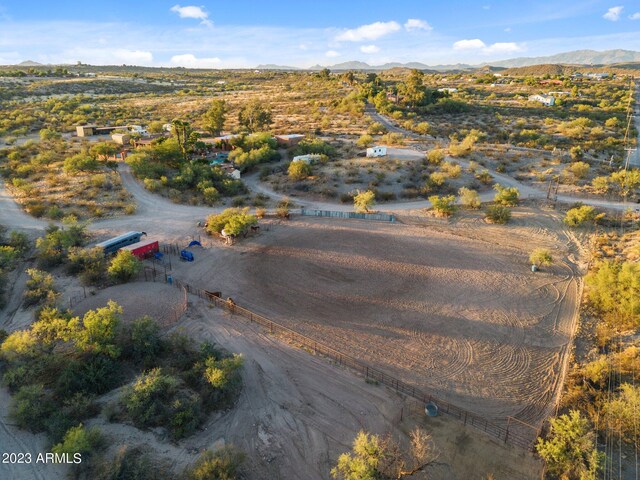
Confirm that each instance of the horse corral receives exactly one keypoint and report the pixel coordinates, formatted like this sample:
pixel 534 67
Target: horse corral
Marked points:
pixel 460 316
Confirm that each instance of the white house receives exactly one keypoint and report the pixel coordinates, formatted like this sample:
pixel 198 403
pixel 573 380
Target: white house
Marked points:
pixel 377 152
pixel 546 100
pixel 448 90
pixel 308 158
pixel 231 170
pixel 139 130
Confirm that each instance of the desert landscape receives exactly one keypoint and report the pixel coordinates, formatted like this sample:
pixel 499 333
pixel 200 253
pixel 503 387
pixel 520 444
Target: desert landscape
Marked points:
pixel 240 243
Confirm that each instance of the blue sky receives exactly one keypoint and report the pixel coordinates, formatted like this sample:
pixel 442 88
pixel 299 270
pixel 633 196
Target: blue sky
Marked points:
pixel 243 33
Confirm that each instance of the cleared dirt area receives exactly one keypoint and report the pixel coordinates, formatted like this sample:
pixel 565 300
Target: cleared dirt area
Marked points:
pixel 157 300
pixel 297 413
pixel 459 315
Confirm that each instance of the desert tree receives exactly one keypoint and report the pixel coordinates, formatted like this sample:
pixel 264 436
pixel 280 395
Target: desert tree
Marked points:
pixel 363 201
pixel 214 118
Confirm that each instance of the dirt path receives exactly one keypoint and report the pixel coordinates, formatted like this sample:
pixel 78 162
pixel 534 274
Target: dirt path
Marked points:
pixel 14 440
pixel 296 412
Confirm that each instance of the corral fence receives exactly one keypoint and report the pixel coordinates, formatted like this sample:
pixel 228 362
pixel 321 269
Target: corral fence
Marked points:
pixel 506 433
pixel 380 217
pixel 151 274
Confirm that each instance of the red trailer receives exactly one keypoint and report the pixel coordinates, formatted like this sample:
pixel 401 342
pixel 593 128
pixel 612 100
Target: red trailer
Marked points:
pixel 143 249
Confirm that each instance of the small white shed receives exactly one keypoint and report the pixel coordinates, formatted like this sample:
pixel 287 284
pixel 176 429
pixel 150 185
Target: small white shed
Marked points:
pixel 377 152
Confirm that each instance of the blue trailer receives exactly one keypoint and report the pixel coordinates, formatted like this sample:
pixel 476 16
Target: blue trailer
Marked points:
pixel 116 243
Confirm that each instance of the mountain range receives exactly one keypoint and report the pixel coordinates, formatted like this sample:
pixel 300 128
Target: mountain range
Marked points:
pixel 576 57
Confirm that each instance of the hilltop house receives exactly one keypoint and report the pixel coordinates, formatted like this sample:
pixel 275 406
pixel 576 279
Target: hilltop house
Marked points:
pixel 546 100
pixel 308 158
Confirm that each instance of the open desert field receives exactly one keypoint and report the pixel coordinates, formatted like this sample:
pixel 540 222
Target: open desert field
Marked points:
pixel 459 315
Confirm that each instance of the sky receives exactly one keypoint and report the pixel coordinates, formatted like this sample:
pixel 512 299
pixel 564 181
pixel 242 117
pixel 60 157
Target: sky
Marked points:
pixel 302 33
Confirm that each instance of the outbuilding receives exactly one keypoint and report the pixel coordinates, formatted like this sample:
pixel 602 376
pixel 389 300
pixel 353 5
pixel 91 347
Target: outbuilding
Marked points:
pixel 377 151
pixel 289 140
pixel 85 130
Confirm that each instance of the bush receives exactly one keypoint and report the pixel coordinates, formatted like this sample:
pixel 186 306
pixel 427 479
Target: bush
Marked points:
pixel 579 169
pixel 299 170
pixel 376 128
pixel 124 266
pixel 282 211
pixel 223 464
pixel 579 216
pixel 443 206
pixel 145 343
pixel 146 401
pixel 540 257
pixel 39 288
pixel 30 408
pixel 80 442
pixel 435 156
pixel 97 331
pixel 498 214
pixel 508 196
pixel 365 141
pixel 232 220
pixel 612 291
pixel 363 201
pixel 129 463
pixel 90 263
pixel 313 145
pixel 469 198
pixel 570 448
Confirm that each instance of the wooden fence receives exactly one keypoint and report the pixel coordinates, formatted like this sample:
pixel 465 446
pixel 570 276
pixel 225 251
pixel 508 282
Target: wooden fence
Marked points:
pixel 506 433
pixel 380 217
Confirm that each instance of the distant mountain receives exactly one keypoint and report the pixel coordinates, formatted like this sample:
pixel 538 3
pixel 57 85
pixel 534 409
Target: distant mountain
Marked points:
pixel 272 66
pixel 576 57
pixel 29 63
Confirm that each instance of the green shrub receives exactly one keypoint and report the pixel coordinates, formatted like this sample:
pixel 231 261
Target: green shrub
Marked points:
pixel 223 464
pixel 498 214
pixel 469 198
pixel 579 216
pixel 39 288
pixel 508 196
pixel 80 440
pixel 444 206
pixel 124 266
pixel 299 170
pixel 30 407
pixel 232 220
pixel 146 401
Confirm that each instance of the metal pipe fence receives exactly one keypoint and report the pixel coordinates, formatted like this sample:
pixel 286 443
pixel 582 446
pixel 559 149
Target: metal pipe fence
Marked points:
pixel 381 217
pixel 505 433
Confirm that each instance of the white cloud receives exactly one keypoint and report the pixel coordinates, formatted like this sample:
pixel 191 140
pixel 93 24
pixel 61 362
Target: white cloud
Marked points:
pixel 332 54
pixel 192 12
pixel 635 16
pixel 188 60
pixel 417 24
pixel 613 13
pixel 508 29
pixel 479 45
pixel 503 47
pixel 368 32
pixel 474 44
pixel 369 49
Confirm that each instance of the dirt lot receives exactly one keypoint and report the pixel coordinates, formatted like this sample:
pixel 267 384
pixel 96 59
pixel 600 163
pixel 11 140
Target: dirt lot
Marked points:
pixel 297 413
pixel 459 315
